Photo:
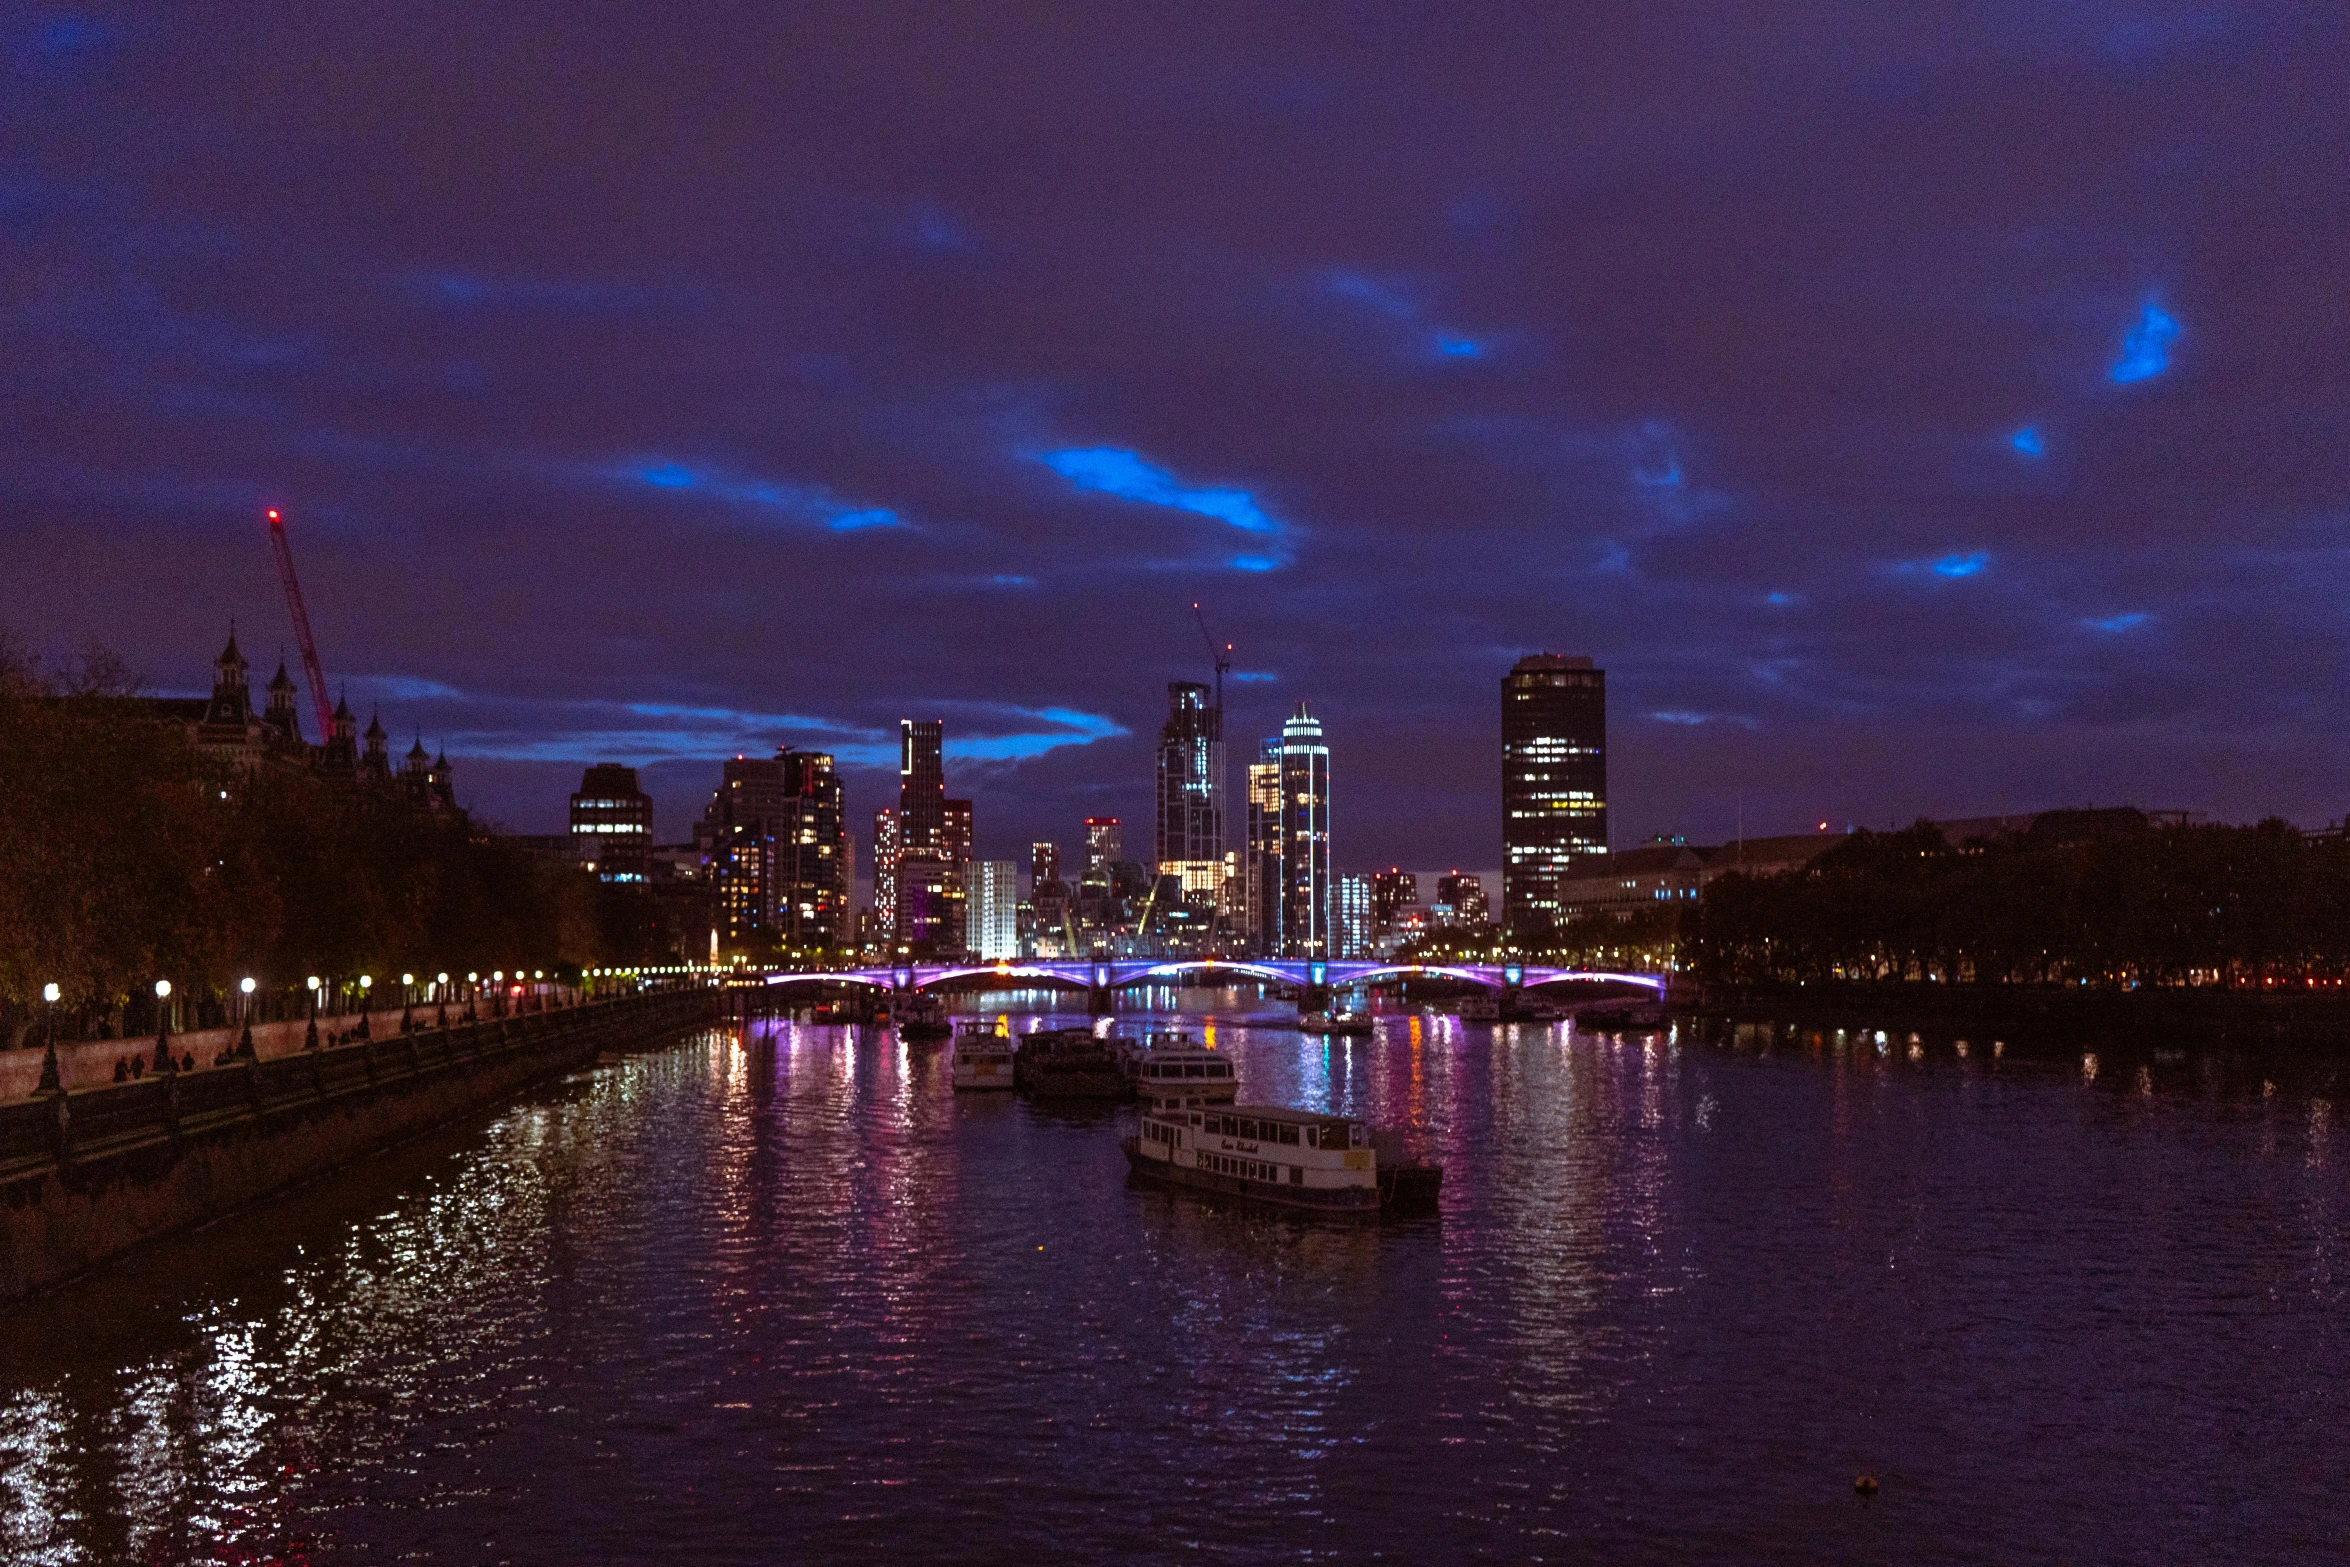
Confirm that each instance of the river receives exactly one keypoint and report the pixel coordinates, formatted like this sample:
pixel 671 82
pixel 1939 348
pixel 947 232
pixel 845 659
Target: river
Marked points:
pixel 786 1297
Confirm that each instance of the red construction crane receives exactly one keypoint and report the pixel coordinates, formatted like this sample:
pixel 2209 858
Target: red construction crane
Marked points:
pixel 310 669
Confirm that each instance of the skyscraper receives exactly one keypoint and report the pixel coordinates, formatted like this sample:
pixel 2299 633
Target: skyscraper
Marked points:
pixel 1553 785
pixel 1464 895
pixel 886 842
pixel 1191 760
pixel 1392 890
pixel 1261 872
pixel 751 807
pixel 955 839
pixel 924 915
pixel 1305 838
pixel 812 854
pixel 1104 848
pixel 994 905
pixel 1044 864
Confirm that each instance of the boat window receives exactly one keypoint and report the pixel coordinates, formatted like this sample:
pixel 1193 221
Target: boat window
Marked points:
pixel 1194 1070
pixel 1354 1137
pixel 1297 1175
pixel 1248 1129
pixel 1289 1135
pixel 1219 1069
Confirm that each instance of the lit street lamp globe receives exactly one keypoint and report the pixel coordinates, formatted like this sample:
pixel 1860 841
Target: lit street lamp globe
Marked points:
pixel 366 980
pixel 407 979
pixel 49 993
pixel 246 984
pixel 311 982
pixel 162 988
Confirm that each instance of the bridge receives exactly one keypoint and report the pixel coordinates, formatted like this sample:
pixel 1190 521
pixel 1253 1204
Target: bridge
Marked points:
pixel 1101 975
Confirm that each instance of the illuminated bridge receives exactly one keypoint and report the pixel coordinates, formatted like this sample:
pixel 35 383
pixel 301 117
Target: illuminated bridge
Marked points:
pixel 1105 974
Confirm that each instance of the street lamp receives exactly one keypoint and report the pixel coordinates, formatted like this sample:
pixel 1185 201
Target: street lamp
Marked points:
pixel 245 1039
pixel 163 1060
pixel 50 1082
pixel 310 1034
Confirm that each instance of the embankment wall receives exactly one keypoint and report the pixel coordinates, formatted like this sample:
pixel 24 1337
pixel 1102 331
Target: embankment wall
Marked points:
pixel 88 1173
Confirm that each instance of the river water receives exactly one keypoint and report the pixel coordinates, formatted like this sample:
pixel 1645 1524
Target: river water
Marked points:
pixel 786 1297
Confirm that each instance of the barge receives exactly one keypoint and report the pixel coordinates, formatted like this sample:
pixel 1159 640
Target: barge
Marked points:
pixel 1071 1063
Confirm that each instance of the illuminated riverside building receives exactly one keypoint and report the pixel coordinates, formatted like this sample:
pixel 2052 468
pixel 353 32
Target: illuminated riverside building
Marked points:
pixel 1044 864
pixel 886 843
pixel 1351 914
pixel 1464 896
pixel 928 909
pixel 812 857
pixel 1261 866
pixel 994 910
pixel 1553 785
pixel 1392 891
pixel 1104 847
pixel 1305 838
pixel 611 823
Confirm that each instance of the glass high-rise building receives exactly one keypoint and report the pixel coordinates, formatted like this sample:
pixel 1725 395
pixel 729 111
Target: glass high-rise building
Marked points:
pixel 925 913
pixel 1044 864
pixel 1351 916
pixel 1104 847
pixel 1305 838
pixel 1464 895
pixel 812 854
pixel 1553 785
pixel 1191 764
pixel 1261 869
pixel 885 872
pixel 1392 890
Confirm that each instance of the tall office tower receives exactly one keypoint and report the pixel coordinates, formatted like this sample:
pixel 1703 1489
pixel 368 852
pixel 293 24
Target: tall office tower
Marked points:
pixel 955 843
pixel 1553 785
pixel 1261 870
pixel 611 822
pixel 750 808
pixel 1465 896
pixel 994 932
pixel 1191 759
pixel 1351 913
pixel 1392 890
pixel 885 872
pixel 1044 864
pixel 923 869
pixel 922 784
pixel 1104 848
pixel 812 858
pixel 1305 838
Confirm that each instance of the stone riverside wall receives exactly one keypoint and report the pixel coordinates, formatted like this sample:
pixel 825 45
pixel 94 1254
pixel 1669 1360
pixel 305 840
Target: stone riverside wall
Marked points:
pixel 86 1063
pixel 91 1172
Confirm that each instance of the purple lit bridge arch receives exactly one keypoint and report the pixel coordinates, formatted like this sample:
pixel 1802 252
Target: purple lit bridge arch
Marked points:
pixel 1102 974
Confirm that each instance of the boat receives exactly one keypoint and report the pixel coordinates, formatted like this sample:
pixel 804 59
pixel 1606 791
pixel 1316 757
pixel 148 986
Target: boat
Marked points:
pixel 1334 1023
pixel 1071 1063
pixel 1533 1009
pixel 982 1056
pixel 1176 1071
pixel 1304 1160
pixel 1482 1008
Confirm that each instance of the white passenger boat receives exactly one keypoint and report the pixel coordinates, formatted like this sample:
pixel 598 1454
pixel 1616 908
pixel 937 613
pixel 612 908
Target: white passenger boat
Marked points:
pixel 1175 1071
pixel 1301 1159
pixel 1334 1023
pixel 982 1056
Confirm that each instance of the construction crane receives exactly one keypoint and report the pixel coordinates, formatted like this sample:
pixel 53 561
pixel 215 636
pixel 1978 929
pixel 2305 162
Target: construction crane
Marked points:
pixel 309 644
pixel 1221 658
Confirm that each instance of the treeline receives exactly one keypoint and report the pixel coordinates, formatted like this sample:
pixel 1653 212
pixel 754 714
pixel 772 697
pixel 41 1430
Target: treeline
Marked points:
pixel 2130 903
pixel 127 856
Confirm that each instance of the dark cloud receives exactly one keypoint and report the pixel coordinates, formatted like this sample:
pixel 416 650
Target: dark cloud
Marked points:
pixel 1916 409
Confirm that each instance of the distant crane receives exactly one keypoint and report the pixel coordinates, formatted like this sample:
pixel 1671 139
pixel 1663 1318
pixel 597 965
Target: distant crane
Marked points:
pixel 309 644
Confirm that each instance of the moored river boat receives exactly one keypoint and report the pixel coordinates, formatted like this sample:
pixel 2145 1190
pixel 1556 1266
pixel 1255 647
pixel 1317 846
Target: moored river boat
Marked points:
pixel 1283 1158
pixel 982 1056
pixel 1071 1063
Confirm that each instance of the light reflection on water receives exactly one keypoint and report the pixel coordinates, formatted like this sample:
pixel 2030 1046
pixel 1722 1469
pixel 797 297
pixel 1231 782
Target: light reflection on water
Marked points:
pixel 788 1296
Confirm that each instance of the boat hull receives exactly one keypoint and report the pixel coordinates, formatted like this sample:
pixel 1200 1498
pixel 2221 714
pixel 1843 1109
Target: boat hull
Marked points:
pixel 1349 1202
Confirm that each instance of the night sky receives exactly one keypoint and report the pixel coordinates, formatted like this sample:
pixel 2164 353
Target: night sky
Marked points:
pixel 1916 409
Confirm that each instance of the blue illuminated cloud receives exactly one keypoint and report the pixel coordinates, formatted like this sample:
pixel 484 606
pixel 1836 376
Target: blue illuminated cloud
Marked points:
pixel 1678 718
pixel 1067 727
pixel 1254 563
pixel 1111 471
pixel 1251 677
pixel 1780 599
pixel 1968 564
pixel 807 503
pixel 2028 442
pixel 1396 303
pixel 2117 623
pixel 2146 347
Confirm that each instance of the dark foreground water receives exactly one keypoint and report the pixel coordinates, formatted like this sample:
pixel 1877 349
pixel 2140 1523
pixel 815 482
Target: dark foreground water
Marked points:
pixel 790 1299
